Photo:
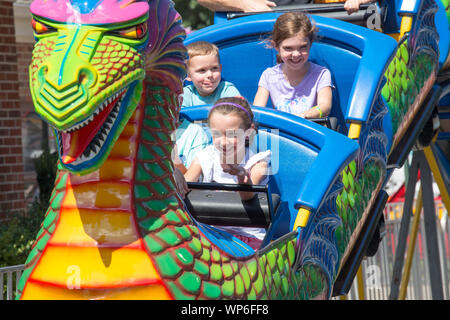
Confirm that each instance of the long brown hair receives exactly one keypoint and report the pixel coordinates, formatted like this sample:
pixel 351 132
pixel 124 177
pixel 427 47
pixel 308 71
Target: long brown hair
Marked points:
pixel 289 25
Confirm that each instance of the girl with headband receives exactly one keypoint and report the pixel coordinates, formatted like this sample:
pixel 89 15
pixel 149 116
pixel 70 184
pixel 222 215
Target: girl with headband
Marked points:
pixel 229 159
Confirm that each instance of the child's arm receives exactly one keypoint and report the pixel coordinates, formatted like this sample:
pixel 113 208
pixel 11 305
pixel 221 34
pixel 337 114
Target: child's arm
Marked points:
pixel 238 5
pixel 258 172
pixel 177 161
pixel 193 173
pixel 261 97
pixel 324 98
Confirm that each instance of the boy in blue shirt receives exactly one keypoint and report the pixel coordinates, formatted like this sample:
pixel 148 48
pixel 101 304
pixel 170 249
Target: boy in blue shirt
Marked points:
pixel 205 72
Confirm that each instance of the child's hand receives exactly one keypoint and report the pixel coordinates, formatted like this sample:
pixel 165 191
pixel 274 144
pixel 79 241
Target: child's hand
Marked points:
pixel 236 170
pixel 352 6
pixel 257 5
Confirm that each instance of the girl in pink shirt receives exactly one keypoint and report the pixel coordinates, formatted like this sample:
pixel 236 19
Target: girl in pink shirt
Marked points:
pixel 295 85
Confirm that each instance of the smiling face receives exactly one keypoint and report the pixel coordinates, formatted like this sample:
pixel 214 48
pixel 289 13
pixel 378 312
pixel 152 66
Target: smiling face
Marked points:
pixel 228 134
pixel 205 73
pixel 294 51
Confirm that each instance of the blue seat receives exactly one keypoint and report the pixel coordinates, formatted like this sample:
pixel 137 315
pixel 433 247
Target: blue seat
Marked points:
pixel 306 160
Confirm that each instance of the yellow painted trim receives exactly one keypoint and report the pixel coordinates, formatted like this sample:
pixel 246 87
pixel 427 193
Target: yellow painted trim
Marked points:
pixel 355 130
pixel 405 25
pixel 396 36
pixel 39 291
pixel 411 247
pixel 95 268
pixel 359 277
pixel 302 218
pixel 85 227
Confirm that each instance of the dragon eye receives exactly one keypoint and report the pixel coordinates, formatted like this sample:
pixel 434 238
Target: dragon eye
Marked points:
pixel 41 28
pixel 135 32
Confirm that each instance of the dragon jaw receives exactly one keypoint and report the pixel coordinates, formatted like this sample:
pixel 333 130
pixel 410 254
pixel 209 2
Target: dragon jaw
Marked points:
pixel 83 141
pixel 85 146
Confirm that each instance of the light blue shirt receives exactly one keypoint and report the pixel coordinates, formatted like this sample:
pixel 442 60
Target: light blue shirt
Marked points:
pixel 191 138
pixel 191 97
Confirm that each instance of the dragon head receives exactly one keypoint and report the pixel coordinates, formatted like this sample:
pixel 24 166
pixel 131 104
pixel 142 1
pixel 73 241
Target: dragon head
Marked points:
pixel 87 71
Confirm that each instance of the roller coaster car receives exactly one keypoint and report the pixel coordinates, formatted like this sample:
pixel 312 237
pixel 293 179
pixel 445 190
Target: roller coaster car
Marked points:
pixel 300 168
pixel 205 201
pixel 357 58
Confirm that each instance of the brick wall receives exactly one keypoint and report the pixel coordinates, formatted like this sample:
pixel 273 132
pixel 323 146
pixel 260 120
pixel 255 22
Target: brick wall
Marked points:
pixel 24 51
pixel 11 163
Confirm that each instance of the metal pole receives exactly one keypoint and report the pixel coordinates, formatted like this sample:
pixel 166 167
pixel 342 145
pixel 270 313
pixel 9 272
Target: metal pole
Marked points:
pixel 404 228
pixel 417 283
pixel 425 279
pixel 411 246
pixel 385 266
pixel 18 275
pixel 9 284
pixel 430 229
pixel 431 159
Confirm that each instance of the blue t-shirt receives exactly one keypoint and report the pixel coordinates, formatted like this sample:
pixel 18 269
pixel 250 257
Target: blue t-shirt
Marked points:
pixel 191 138
pixel 191 97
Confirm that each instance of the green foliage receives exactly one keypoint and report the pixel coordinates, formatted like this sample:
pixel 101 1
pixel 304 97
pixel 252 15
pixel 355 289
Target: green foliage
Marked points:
pixel 18 234
pixel 45 167
pixel 194 15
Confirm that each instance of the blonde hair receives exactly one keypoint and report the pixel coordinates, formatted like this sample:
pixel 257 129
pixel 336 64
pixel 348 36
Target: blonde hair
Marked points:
pixel 202 48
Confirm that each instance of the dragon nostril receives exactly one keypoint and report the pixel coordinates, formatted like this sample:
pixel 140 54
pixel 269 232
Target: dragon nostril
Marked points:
pixel 82 79
pixel 42 73
pixel 86 77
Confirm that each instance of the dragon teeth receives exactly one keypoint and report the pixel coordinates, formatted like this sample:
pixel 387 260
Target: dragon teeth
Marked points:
pixel 96 112
pixel 97 143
